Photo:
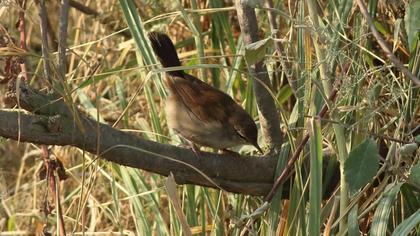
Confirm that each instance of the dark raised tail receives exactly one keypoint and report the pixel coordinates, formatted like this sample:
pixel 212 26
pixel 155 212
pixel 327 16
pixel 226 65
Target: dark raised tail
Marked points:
pixel 164 49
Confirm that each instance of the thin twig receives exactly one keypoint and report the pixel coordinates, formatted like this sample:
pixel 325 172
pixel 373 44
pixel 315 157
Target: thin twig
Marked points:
pixel 56 191
pixel 22 40
pixel 277 43
pixel 62 39
pixel 85 9
pixel 51 175
pixel 384 46
pixel 62 60
pixel 103 20
pixel 44 38
pixel 52 35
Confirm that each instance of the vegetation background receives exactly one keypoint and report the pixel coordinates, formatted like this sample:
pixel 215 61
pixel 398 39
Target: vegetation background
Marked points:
pixel 368 143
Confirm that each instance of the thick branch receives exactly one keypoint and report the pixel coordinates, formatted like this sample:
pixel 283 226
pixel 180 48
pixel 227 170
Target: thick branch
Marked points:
pixel 269 117
pixel 54 125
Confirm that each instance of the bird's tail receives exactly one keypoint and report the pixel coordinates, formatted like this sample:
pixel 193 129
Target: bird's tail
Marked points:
pixel 164 49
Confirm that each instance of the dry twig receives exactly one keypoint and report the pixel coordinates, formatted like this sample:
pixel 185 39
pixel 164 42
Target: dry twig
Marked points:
pixel 384 46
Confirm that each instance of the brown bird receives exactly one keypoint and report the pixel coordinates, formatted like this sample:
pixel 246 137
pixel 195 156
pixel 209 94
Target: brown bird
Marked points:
pixel 198 112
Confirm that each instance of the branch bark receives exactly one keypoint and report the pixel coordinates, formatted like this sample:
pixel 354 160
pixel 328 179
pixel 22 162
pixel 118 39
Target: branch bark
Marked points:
pixel 53 124
pixel 269 118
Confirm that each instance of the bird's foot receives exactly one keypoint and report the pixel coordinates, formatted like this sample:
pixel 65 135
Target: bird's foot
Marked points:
pixel 196 150
pixel 229 152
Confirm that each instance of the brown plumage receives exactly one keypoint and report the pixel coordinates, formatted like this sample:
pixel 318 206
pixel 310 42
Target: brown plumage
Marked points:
pixel 198 112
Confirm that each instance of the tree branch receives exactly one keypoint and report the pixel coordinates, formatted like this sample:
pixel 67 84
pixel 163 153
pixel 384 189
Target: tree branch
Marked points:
pixel 44 39
pixel 269 118
pixel 53 124
pixel 22 30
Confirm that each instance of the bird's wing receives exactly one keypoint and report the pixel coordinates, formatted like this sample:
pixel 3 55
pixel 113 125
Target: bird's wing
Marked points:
pixel 205 102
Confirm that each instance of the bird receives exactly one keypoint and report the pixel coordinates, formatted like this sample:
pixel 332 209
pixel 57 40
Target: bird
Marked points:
pixel 198 112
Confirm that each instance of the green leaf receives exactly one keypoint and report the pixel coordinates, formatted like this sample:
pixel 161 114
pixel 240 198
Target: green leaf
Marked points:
pixel 407 225
pixel 397 32
pixel 412 22
pixel 381 216
pixel 381 28
pixel 353 222
pixel 374 93
pixel 415 174
pixel 257 213
pixel 90 108
pixel 255 52
pixel 361 165
pixel 408 149
pixel 315 186
pixel 276 208
pixel 284 94
pixel 11 223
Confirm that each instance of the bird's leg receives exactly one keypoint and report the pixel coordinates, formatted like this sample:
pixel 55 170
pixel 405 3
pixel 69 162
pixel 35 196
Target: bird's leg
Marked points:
pixel 229 152
pixel 195 149
pixel 192 145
